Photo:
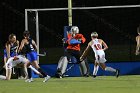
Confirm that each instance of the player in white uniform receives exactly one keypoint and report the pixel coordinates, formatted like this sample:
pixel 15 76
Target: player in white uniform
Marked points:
pixel 19 60
pixel 96 45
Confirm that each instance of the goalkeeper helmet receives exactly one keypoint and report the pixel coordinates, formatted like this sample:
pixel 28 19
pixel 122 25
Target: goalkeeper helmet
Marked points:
pixel 74 29
pixel 94 34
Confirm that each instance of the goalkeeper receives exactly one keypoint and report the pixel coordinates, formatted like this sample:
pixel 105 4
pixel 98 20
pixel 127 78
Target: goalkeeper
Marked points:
pixel 72 44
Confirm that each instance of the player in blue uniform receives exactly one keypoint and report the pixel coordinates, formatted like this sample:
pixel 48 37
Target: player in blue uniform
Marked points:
pixel 11 48
pixel 31 47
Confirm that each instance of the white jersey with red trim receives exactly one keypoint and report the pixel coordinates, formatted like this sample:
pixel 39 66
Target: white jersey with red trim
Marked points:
pixel 13 61
pixel 99 52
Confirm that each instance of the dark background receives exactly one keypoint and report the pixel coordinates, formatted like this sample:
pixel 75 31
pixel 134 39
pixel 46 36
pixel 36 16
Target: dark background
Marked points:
pixel 116 26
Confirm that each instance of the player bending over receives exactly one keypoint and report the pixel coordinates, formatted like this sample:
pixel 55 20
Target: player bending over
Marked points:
pixel 96 44
pixel 19 60
pixel 10 50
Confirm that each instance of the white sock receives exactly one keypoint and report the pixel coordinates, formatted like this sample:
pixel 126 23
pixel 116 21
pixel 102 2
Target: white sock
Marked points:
pixel 36 71
pixel 95 70
pixel 110 69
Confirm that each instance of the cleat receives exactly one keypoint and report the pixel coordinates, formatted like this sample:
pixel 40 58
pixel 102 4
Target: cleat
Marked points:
pixel 60 77
pixel 86 75
pixel 94 76
pixel 46 78
pixel 21 77
pixel 117 73
pixel 29 80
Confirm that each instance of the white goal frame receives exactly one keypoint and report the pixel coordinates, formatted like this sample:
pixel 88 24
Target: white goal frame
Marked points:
pixel 60 9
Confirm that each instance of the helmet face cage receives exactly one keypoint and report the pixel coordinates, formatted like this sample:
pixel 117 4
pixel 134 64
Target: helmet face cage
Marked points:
pixel 74 29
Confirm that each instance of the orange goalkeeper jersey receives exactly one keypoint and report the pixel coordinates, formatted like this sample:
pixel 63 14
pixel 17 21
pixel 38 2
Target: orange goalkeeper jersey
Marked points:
pixel 77 37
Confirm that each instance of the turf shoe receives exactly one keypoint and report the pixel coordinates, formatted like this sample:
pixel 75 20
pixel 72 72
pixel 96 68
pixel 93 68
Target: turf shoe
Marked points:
pixel 46 78
pixel 94 76
pixel 29 80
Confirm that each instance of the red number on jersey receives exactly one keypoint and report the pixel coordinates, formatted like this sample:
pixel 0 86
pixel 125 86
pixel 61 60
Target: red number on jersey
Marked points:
pixel 98 47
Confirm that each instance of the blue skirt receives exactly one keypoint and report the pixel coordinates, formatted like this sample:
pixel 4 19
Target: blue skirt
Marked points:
pixel 32 56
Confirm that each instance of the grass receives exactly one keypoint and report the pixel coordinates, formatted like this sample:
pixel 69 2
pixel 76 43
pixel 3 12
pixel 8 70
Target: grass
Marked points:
pixel 102 84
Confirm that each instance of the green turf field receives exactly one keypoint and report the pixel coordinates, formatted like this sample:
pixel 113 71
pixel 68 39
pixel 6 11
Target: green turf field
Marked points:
pixel 102 84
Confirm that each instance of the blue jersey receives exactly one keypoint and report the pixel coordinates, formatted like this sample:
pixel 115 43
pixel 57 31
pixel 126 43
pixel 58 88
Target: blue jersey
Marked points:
pixel 30 51
pixel 13 48
pixel 29 47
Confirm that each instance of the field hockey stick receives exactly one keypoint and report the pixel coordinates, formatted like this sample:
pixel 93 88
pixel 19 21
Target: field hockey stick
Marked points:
pixel 44 54
pixel 68 68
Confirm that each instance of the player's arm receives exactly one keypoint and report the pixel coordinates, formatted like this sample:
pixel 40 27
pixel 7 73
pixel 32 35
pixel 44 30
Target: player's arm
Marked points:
pixel 17 46
pixel 9 68
pixel 8 74
pixel 69 37
pixel 104 45
pixel 138 45
pixel 83 39
pixel 21 45
pixel 34 44
pixel 8 46
pixel 86 51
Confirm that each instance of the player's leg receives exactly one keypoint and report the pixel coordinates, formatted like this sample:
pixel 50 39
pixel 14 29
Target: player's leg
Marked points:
pixel 64 65
pixel 26 72
pixel 83 64
pixel 110 69
pixel 27 64
pixel 47 77
pixel 8 73
pixel 33 60
pixel 31 57
pixel 28 68
pixel 35 64
pixel 9 67
pixel 59 68
pixel 96 67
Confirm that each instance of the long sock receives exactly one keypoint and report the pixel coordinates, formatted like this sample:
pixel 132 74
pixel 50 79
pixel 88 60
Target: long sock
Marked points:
pixel 36 71
pixel 29 72
pixel 41 71
pixel 95 70
pixel 110 69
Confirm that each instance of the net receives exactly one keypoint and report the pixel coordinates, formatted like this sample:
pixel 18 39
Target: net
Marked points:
pixel 116 26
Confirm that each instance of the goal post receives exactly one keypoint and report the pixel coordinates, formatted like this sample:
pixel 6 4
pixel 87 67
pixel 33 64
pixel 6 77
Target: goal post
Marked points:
pixel 70 12
pixel 70 8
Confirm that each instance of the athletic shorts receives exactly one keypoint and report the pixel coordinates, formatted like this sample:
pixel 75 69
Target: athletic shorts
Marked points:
pixel 12 54
pixel 32 56
pixel 100 59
